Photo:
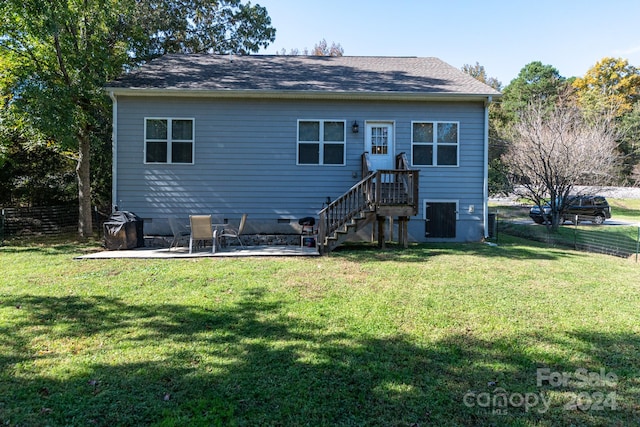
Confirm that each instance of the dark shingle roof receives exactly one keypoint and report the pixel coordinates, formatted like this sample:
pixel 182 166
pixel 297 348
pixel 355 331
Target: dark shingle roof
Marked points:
pixel 309 74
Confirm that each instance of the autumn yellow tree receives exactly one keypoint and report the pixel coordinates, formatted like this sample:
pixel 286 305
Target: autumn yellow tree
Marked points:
pixel 611 84
pixel 323 49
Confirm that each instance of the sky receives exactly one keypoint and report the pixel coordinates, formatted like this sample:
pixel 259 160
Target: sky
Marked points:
pixel 502 36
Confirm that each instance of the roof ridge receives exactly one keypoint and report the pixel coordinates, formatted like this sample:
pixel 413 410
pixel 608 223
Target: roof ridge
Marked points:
pixel 304 74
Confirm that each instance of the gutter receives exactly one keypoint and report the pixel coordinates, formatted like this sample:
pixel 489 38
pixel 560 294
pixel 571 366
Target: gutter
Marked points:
pixel 114 152
pixel 295 94
pixel 485 189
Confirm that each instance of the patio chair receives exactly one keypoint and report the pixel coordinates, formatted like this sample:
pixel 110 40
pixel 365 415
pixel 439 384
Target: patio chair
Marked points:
pixel 179 230
pixel 233 233
pixel 201 230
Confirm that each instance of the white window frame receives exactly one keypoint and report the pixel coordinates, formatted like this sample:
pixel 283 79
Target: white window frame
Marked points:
pixel 170 140
pixel 435 144
pixel 321 142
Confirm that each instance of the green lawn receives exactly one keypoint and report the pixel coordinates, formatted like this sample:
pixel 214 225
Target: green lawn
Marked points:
pixel 619 240
pixel 625 209
pixel 434 335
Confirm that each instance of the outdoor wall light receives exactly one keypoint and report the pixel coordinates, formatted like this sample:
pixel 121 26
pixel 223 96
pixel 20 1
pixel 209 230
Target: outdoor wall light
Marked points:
pixel 355 128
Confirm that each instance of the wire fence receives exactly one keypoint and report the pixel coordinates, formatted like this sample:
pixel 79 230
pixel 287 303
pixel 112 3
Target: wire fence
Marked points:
pixel 45 220
pixel 42 221
pixel 616 240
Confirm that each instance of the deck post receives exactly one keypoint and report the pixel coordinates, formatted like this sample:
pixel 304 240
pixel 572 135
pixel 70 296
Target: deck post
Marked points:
pixel 381 234
pixel 322 233
pixel 403 231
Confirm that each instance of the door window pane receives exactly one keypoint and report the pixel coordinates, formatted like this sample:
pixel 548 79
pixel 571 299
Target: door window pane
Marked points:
pixel 379 140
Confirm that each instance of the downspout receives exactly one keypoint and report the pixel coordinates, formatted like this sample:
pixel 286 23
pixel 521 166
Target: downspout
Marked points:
pixel 485 190
pixel 114 153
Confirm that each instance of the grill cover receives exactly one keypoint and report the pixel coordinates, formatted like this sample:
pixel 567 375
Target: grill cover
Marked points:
pixel 124 230
pixel 308 220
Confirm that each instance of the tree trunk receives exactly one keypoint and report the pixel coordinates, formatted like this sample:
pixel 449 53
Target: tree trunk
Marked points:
pixel 83 173
pixel 555 221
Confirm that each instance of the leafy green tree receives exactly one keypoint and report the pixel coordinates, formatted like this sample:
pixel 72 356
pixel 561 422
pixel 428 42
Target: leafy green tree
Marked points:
pixel 628 126
pixel 198 26
pixel 36 174
pixel 498 182
pixel 57 56
pixel 479 73
pixel 535 83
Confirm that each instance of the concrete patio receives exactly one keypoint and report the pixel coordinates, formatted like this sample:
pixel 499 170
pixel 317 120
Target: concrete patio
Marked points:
pixel 181 252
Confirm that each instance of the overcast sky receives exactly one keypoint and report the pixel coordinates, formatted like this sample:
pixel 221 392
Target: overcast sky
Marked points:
pixel 503 36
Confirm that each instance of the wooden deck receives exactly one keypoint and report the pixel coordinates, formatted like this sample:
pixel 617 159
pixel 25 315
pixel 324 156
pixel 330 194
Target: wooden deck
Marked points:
pixel 379 195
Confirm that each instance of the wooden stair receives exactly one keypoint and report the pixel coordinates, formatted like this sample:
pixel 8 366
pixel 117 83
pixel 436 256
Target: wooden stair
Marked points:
pixel 380 194
pixel 354 226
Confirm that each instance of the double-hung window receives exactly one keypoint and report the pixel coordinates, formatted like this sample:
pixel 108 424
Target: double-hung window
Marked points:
pixel 168 140
pixel 435 143
pixel 321 142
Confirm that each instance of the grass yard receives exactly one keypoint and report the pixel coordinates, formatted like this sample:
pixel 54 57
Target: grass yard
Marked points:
pixel 446 335
pixel 625 209
pixel 619 240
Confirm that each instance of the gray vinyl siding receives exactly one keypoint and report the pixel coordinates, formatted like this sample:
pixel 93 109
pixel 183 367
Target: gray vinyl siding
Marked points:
pixel 245 160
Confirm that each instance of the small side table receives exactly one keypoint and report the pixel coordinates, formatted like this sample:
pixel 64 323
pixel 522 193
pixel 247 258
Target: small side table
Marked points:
pixel 308 240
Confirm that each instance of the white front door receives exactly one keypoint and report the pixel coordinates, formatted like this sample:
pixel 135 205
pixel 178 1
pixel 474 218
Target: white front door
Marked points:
pixel 379 142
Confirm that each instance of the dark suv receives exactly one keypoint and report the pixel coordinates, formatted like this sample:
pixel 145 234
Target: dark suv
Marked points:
pixel 587 208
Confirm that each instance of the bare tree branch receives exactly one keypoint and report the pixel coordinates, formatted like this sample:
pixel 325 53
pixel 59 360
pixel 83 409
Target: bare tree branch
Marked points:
pixel 554 150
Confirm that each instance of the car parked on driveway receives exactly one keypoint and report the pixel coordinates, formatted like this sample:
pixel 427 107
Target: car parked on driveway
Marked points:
pixel 577 208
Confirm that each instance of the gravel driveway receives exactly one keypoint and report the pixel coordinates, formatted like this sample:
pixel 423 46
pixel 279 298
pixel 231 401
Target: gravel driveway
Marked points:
pixel 611 192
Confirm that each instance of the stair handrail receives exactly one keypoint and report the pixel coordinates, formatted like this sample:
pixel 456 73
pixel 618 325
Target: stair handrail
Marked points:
pixel 339 212
pixel 409 181
pixel 402 162
pixel 366 164
pixel 365 196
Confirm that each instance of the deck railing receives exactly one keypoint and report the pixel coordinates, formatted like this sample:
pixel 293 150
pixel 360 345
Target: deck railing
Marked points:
pixel 358 199
pixel 395 187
